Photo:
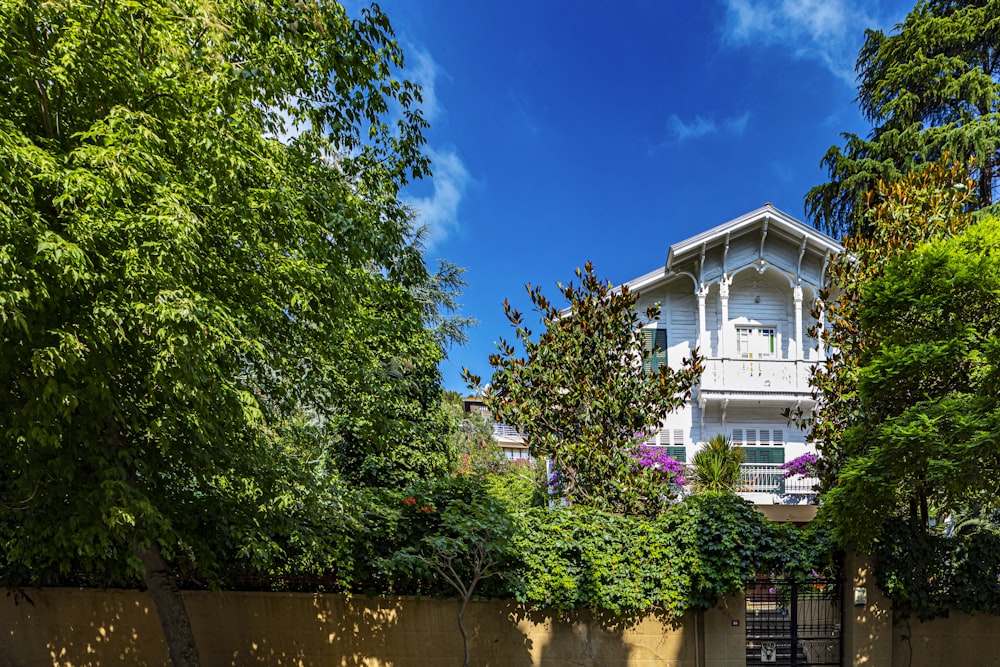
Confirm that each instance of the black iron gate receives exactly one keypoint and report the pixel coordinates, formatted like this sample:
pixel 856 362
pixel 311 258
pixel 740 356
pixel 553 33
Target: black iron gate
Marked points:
pixel 794 623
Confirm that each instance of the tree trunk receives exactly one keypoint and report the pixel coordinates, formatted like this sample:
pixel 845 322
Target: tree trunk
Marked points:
pixel 169 607
pixel 461 626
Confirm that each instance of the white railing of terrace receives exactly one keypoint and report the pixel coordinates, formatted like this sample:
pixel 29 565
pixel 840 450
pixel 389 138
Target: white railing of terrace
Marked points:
pixel 506 431
pixel 756 375
pixel 769 478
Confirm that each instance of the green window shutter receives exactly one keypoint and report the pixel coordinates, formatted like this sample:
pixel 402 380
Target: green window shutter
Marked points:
pixel 660 349
pixel 679 453
pixel 649 344
pixel 750 454
pixel 655 347
pixel 771 455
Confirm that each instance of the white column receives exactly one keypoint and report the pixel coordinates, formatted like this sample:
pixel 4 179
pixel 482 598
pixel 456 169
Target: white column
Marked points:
pixel 822 325
pixel 797 295
pixel 724 327
pixel 702 330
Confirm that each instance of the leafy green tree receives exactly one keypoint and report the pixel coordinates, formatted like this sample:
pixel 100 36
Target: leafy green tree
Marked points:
pixel 205 277
pixel 459 534
pixel 928 387
pixel 581 395
pixel 931 87
pixel 389 428
pixel 928 203
pixel 717 466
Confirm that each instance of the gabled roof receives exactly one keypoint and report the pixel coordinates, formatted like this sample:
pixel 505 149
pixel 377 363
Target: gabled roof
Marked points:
pixel 763 222
pixel 774 218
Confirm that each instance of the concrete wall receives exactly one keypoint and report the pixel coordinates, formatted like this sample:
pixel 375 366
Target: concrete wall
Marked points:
pixel 75 628
pixel 872 638
pixel 957 640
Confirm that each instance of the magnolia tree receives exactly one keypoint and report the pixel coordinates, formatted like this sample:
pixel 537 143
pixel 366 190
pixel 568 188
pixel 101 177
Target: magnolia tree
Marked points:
pixel 582 395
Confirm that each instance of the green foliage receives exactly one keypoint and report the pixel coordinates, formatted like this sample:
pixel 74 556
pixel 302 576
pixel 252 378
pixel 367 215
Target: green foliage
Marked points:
pixel 931 88
pixel 581 395
pixel 708 546
pixel 197 318
pixel 908 419
pixel 516 485
pixel 470 436
pixel 929 574
pixel 717 466
pixel 927 386
pixel 451 528
pixel 926 204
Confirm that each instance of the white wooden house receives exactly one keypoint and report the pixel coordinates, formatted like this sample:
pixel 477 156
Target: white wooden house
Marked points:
pixel 744 293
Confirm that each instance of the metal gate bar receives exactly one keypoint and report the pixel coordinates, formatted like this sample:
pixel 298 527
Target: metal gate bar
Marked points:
pixel 793 624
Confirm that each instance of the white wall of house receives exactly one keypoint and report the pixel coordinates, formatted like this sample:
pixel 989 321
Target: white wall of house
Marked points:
pixel 744 293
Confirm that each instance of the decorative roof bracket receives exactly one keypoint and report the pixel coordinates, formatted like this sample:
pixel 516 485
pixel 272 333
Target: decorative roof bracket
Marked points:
pixel 725 254
pixel 798 269
pixel 701 265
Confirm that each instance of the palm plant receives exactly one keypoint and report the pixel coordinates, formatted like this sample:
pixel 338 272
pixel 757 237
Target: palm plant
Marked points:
pixel 716 467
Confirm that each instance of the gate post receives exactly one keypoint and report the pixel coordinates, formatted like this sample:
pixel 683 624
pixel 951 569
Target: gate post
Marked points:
pixel 868 627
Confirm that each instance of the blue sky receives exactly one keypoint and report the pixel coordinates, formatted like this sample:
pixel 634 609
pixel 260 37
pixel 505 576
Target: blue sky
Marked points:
pixel 563 132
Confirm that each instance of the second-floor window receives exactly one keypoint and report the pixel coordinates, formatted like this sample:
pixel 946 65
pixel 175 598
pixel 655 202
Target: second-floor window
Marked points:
pixel 756 342
pixel 760 445
pixel 655 340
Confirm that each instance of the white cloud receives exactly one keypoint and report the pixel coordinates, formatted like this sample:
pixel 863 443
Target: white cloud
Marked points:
pixel 681 130
pixel 736 125
pixel 438 212
pixel 422 69
pixel 699 127
pixel 829 31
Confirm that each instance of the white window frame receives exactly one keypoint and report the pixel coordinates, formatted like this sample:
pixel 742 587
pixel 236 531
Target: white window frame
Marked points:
pixel 752 351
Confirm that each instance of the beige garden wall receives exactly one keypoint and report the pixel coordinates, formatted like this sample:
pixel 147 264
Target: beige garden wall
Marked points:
pixel 957 640
pixel 74 627
pixel 872 637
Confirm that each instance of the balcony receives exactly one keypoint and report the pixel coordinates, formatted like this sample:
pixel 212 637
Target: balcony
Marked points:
pixel 769 478
pixel 505 431
pixel 782 380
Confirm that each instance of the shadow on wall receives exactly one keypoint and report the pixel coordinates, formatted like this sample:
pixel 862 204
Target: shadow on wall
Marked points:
pixel 76 627
pixel 597 639
pixel 292 629
pixel 86 627
pixel 80 627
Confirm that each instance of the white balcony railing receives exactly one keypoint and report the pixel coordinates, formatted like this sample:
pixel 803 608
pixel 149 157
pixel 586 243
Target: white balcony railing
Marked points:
pixel 505 431
pixel 769 478
pixel 760 375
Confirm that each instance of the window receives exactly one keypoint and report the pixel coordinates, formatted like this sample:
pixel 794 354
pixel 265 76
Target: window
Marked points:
pixel 655 340
pixel 756 342
pixel 760 445
pixel 677 452
pixel 763 454
pixel 670 441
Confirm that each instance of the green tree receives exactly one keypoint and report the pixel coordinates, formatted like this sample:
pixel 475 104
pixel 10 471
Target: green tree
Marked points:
pixel 581 395
pixel 931 87
pixel 190 307
pixel 459 534
pixel 717 466
pixel 927 387
pixel 928 203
